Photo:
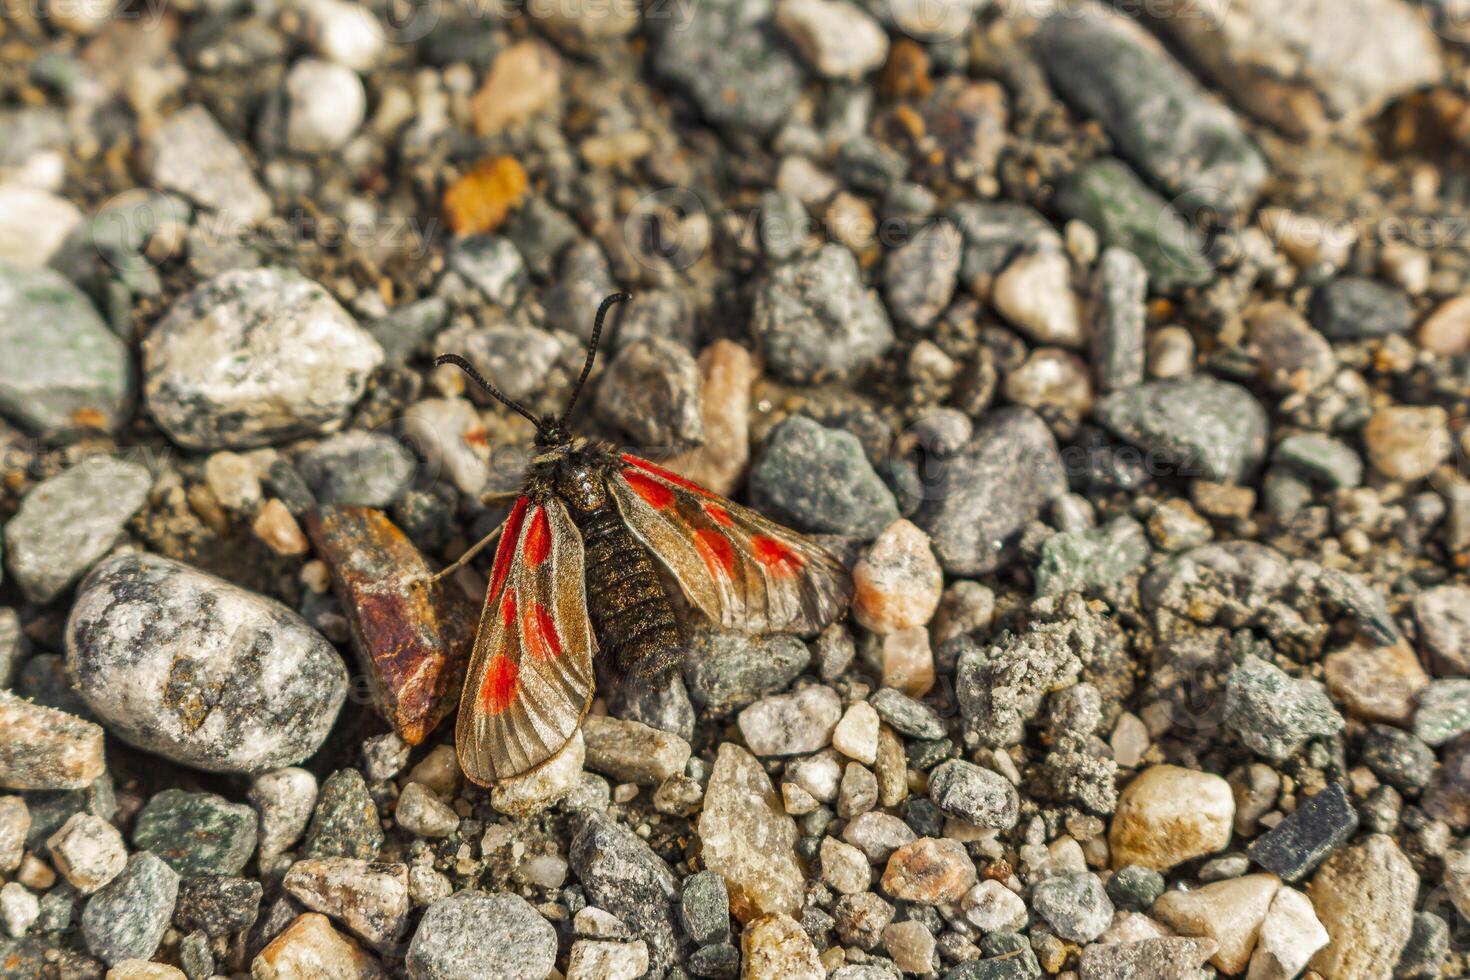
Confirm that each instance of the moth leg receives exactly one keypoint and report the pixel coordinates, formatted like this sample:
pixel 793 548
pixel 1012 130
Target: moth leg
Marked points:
pixel 464 559
pixel 498 497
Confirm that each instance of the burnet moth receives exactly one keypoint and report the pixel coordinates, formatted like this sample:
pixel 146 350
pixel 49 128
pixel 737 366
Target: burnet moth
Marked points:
pixel 576 574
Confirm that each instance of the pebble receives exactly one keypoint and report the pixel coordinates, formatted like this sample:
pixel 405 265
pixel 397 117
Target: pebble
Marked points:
pixel 537 790
pixel 344 33
pixel 357 469
pixel 309 948
pixel 422 813
pixel 524 81
pixel 19 909
pixel 632 752
pixel 818 480
pixel 245 688
pixel 1229 912
pixel 345 821
pixel 197 833
pixel 1135 887
pixel 191 154
pixel 858 791
pixel 15 823
pixel 1113 69
pixel 929 870
pixel 326 106
pixel 1075 905
pixel 88 851
pixel 978 796
pixel 1169 956
pixel 1292 356
pixel 775 947
pixel 856 734
pixel 1322 460
pixel 623 875
pixel 1406 442
pixel 369 899
pixel 217 905
pixel 1203 427
pixel 1093 559
pixel 1443 615
pixel 473 934
pixel 844 867
pixel 1376 683
pixel 1168 815
pixel 1354 307
pixel 1364 897
pixel 913 718
pixel 1053 382
pixel 727 669
pixel 919 276
pixel 127 918
pixel 1428 946
pixel 47 749
pixel 1108 197
pixel 992 907
pixel 651 391
pixel 791 724
pixel 908 663
pixel 726 47
pixel 747 838
pixel 837 38
pixel 1443 713
pixel 1273 713
pixel 63 368
pixel 815 321
pixel 1290 934
pixel 1319 824
pixel 284 800
pixel 911 945
pixel 1446 331
pixel 897 583
pixel 704 908
pixel 1116 318
pixel 34 224
pixel 1447 797
pixel 1034 293
pixel 727 374
pixel 594 960
pixel 449 434
pixel 237 363
pixel 976 506
pixel 1397 758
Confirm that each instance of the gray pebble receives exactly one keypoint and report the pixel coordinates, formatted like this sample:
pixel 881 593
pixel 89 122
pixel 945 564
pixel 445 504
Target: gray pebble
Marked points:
pixel 977 795
pixel 818 479
pixel 358 469
pixel 727 669
pixel 63 368
pixel 704 908
pixel 1135 887
pixel 345 823
pixel 493 265
pixel 1075 905
pixel 1198 426
pixel 1354 307
pixel 1119 289
pixel 197 833
pixel 910 717
pixel 1274 713
pixel 1444 711
pixel 1321 459
pixel 181 663
pixel 126 919
pixel 623 875
pixel 472 934
pixel 815 320
pixel 651 390
pixel 919 276
pixel 514 357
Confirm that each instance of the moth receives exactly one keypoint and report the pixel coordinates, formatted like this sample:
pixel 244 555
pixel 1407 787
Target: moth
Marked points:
pixel 576 575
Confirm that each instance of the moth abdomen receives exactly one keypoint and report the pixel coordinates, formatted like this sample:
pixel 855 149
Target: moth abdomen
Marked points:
pixel 625 597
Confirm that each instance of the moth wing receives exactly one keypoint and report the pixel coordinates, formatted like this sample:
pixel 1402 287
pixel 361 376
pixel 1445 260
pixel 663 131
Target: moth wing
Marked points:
pixel 530 678
pixel 741 569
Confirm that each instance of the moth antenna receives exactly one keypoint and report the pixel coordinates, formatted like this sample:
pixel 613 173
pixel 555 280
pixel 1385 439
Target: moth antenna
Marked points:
pixel 494 392
pixel 606 305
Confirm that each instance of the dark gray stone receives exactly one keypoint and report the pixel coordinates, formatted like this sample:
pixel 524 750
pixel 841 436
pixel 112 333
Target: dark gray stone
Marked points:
pixel 217 904
pixel 1355 307
pixel 1119 289
pixel 197 833
pixel 980 796
pixel 977 501
pixel 1322 459
pixel 1397 758
pixel 623 875
pixel 345 823
pixel 1115 203
pixel 818 479
pixel 1294 847
pixel 1273 713
pixel 919 276
pixel 1184 139
pixel 910 717
pixel 704 908
pixel 1135 887
pixel 1197 427
pixel 651 390
pixel 728 669
pixel 1092 560
pixel 358 469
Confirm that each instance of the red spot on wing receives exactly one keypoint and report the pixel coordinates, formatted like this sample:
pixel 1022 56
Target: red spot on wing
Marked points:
pixel 717 552
pixel 718 514
pixel 538 538
pixel 541 638
pixel 505 552
pixel 655 494
pixel 659 471
pixel 500 685
pixel 776 556
pixel 508 608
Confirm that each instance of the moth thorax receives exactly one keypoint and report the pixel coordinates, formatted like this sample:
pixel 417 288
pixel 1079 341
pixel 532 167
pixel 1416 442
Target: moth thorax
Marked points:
pixel 581 486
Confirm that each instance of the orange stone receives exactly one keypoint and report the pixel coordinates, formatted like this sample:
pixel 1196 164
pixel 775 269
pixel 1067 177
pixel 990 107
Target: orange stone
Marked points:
pixel 482 199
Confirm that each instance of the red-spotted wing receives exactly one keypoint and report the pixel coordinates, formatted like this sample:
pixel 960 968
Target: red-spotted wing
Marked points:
pixel 530 677
pixel 743 571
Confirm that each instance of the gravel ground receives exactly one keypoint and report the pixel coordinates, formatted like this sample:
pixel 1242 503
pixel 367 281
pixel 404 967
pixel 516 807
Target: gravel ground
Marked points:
pixel 1122 352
